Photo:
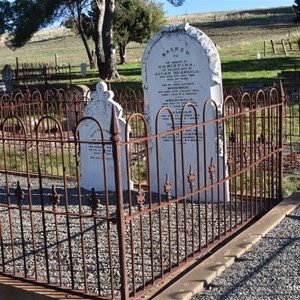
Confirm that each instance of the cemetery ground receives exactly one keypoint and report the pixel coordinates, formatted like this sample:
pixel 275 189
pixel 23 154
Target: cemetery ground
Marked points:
pixel 154 244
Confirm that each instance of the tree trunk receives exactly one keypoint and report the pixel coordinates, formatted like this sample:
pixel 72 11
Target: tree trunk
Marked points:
pixel 86 45
pixel 76 13
pixel 105 50
pixel 122 53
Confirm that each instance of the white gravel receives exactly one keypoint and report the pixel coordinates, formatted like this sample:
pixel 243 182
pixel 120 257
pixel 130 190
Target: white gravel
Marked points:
pixel 270 270
pixel 142 259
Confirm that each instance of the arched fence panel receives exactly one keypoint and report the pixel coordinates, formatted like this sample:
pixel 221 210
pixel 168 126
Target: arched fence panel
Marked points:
pixel 110 214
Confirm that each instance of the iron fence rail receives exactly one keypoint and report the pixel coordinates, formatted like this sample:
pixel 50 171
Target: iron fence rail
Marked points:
pixel 119 243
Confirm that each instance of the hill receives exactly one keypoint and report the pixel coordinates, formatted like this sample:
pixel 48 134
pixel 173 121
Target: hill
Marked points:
pixel 239 36
pixel 246 26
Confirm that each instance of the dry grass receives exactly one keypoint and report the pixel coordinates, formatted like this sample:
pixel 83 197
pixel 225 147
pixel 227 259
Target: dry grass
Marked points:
pixel 278 13
pixel 232 28
pixel 239 35
pixel 226 29
pixel 45 35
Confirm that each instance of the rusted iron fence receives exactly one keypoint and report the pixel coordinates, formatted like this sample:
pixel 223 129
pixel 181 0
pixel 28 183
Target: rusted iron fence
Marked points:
pixel 119 243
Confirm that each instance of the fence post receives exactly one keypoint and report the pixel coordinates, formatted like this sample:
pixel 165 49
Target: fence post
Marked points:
pixel 70 74
pixel 283 47
pixel 282 100
pixel 273 47
pixel 17 71
pixel 116 149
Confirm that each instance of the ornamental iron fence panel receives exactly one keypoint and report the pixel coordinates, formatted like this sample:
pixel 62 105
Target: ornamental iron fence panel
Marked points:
pixel 118 243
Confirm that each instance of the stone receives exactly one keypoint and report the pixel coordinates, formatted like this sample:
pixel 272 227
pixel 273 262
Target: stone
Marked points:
pixel 97 158
pixel 83 69
pixel 181 65
pixel 2 87
pixel 7 77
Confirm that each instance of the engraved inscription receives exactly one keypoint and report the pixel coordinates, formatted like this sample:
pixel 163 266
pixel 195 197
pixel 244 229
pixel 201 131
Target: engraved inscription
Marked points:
pixel 95 151
pixel 176 76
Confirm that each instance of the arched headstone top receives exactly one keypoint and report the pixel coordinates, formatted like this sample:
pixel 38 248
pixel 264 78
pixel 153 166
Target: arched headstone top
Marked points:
pixel 193 33
pixel 101 104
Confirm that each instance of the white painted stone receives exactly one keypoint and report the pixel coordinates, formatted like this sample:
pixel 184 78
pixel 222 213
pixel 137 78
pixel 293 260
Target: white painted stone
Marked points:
pixel 181 65
pixel 91 155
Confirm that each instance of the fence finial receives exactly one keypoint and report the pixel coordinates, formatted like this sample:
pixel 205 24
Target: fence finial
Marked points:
pixel 114 125
pixel 19 194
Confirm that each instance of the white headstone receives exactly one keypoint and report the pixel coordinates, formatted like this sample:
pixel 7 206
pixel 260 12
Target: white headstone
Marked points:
pixel 91 155
pixel 181 65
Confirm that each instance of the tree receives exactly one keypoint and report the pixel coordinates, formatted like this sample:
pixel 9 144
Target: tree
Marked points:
pixel 80 22
pixel 135 20
pixel 103 11
pixel 296 8
pixel 31 15
pixel 176 2
pixel 5 16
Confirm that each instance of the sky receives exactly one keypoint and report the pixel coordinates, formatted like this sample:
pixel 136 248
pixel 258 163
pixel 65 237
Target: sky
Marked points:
pixel 199 6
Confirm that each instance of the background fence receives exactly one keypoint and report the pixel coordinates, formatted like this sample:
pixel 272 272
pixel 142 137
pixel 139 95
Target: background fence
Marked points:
pixel 42 74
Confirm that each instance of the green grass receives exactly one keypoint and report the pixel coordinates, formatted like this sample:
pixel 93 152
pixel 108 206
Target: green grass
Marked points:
pixel 291 183
pixel 50 161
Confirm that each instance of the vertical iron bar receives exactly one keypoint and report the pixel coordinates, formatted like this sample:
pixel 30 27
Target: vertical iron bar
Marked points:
pixel 280 167
pixel 20 196
pixel 43 206
pixel 67 205
pixel 117 148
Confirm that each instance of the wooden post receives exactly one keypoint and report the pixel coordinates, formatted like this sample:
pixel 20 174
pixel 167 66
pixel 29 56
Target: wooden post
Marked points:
pixel 283 47
pixel 290 44
pixel 17 71
pixel 265 48
pixel 56 60
pixel 273 47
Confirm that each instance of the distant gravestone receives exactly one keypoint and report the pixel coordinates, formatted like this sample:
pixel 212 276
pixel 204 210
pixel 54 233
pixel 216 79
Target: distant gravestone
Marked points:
pixel 2 87
pixel 7 77
pixel 83 69
pixel 93 165
pixel 181 65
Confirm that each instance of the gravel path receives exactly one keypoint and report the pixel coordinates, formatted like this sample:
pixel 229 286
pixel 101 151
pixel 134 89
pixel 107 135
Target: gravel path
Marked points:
pixel 71 247
pixel 270 270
